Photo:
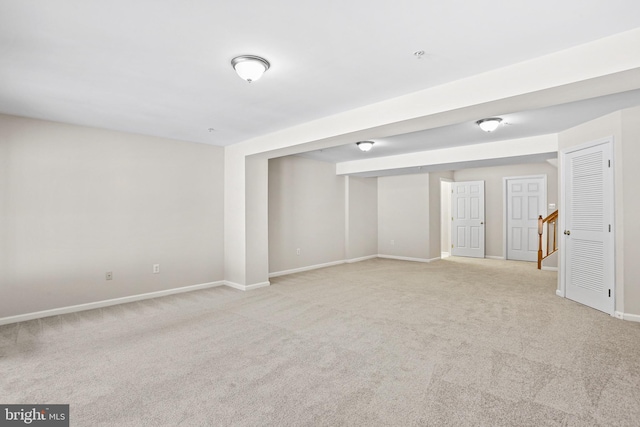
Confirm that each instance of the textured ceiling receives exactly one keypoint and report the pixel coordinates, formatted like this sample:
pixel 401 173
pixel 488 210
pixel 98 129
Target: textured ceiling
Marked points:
pixel 163 67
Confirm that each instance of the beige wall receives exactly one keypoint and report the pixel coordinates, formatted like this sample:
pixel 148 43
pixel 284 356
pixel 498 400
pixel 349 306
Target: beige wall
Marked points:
pixel 494 196
pixel 631 209
pixel 624 126
pixel 571 75
pixel 78 202
pixel 403 216
pixel 362 217
pixel 306 211
pixel 257 220
pixel 603 127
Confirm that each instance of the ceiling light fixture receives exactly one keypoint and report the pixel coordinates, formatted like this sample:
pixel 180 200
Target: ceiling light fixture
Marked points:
pixel 249 67
pixel 365 145
pixel 489 125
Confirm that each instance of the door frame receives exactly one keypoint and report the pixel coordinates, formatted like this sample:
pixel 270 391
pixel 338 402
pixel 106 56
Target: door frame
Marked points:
pixel 505 201
pixel 562 215
pixel 445 219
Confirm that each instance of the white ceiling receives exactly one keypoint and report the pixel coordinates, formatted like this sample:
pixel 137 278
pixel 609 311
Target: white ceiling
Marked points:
pixel 515 125
pixel 163 67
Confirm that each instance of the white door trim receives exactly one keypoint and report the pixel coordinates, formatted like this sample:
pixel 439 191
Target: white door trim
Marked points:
pixel 561 225
pixel 562 291
pixel 445 219
pixel 505 201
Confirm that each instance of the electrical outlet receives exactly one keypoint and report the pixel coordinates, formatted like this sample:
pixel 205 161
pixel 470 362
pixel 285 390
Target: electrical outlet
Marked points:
pixel 298 251
pixel 156 268
pixel 109 275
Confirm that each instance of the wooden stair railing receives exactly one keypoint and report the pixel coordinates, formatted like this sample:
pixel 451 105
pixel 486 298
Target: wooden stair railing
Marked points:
pixel 552 226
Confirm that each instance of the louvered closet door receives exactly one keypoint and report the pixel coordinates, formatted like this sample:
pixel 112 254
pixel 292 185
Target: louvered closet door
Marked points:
pixel 589 235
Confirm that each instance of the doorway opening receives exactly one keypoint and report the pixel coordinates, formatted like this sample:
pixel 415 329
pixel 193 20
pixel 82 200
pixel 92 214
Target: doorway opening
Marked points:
pixel 445 218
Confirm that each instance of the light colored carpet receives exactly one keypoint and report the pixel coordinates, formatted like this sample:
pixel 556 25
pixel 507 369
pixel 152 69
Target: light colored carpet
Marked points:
pixel 381 342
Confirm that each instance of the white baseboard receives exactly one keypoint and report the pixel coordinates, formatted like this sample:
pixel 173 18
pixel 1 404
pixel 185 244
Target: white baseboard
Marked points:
pixel 307 268
pixel 362 258
pixel 627 316
pixel 105 303
pixel 404 258
pixel 559 293
pixel 618 314
pixel 246 287
pixel 494 257
pixel 316 266
pixel 549 268
pixel 445 255
pixel 334 263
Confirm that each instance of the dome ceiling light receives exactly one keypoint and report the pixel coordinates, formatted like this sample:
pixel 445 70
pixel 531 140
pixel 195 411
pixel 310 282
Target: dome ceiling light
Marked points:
pixel 489 125
pixel 365 145
pixel 250 67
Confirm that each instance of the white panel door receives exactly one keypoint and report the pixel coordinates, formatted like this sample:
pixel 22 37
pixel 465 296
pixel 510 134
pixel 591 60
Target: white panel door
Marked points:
pixel 588 234
pixel 526 200
pixel 467 225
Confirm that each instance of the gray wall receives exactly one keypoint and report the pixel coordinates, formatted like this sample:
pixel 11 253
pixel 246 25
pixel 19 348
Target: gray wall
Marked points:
pixel 306 211
pixel 77 202
pixel 494 196
pixel 362 217
pixel 403 216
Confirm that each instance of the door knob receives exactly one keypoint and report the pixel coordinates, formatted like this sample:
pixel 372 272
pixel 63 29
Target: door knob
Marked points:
pixel 567 232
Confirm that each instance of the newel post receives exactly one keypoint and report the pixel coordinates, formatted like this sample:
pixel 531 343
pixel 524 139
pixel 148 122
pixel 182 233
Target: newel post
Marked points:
pixel 540 222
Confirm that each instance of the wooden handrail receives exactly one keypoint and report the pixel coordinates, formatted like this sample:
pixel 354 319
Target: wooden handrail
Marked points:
pixel 552 224
pixel 550 217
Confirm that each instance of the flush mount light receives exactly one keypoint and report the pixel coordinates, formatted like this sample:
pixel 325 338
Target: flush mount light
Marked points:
pixel 489 125
pixel 365 145
pixel 249 67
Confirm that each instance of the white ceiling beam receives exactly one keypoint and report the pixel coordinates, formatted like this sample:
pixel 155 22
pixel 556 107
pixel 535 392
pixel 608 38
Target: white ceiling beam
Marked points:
pixel 454 155
pixel 594 69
